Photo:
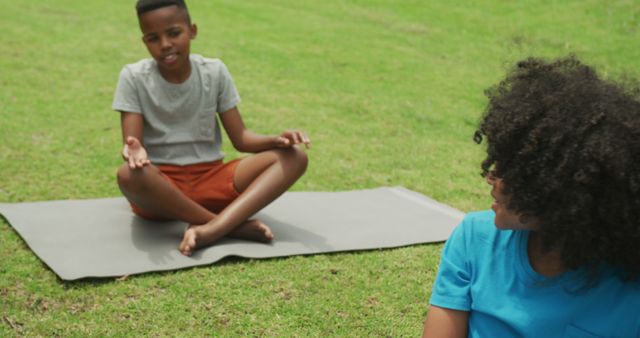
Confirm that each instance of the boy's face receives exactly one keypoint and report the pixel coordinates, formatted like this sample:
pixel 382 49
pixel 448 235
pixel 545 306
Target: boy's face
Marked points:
pixel 505 217
pixel 167 35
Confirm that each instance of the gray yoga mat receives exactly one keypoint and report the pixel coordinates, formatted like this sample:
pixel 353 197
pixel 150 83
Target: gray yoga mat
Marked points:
pixel 102 238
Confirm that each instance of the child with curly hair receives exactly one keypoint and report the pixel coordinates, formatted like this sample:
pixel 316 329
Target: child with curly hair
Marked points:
pixel 174 168
pixel 559 255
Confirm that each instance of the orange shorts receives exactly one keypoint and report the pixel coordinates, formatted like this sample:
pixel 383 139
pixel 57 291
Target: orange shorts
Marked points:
pixel 209 184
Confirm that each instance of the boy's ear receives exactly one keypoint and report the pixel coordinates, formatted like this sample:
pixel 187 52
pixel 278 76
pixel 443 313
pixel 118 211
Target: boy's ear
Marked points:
pixel 194 31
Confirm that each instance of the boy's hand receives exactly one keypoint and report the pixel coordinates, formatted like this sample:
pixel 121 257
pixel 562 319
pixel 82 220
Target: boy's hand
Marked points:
pixel 134 153
pixel 290 137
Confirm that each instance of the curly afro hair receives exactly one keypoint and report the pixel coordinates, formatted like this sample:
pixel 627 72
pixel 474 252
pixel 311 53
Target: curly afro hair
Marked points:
pixel 566 144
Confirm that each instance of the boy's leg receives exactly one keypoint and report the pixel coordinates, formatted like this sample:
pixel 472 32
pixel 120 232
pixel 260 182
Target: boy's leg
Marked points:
pixel 146 188
pixel 260 179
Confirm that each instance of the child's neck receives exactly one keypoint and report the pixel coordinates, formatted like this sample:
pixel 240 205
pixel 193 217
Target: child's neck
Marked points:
pixel 544 262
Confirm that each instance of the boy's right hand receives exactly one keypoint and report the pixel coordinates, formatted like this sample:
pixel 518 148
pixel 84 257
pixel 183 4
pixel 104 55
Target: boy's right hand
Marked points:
pixel 288 138
pixel 134 153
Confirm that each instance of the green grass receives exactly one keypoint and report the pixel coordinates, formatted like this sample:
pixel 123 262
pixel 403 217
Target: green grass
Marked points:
pixel 389 91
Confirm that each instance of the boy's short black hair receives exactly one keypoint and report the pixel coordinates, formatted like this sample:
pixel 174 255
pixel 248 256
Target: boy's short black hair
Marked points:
pixel 566 144
pixel 143 6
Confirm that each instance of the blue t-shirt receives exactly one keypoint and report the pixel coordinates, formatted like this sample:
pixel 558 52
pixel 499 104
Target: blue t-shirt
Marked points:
pixel 486 271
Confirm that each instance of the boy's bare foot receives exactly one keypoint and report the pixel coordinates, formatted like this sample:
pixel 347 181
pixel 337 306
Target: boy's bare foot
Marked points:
pixel 188 243
pixel 253 230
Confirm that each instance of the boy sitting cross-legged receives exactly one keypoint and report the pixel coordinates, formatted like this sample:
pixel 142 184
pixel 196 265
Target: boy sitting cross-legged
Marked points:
pixel 174 168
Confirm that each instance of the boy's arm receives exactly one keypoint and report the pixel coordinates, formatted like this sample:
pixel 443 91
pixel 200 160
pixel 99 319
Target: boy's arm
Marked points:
pixel 443 322
pixel 133 150
pixel 247 141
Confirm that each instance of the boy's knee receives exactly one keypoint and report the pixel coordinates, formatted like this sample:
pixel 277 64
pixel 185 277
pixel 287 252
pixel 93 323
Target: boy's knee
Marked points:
pixel 298 158
pixel 123 176
pixel 132 179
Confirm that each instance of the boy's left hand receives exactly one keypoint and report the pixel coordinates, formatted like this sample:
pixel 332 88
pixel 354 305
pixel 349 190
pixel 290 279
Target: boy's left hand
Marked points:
pixel 290 137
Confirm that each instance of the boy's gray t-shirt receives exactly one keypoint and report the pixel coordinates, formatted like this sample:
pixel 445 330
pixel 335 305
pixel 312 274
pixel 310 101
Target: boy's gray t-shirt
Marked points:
pixel 180 125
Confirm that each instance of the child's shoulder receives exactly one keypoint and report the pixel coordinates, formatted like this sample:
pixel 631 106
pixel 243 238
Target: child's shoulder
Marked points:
pixel 479 225
pixel 480 217
pixel 143 66
pixel 204 60
pixel 211 64
pixel 479 222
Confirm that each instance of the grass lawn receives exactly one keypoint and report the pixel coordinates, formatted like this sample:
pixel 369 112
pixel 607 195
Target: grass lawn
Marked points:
pixel 389 91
